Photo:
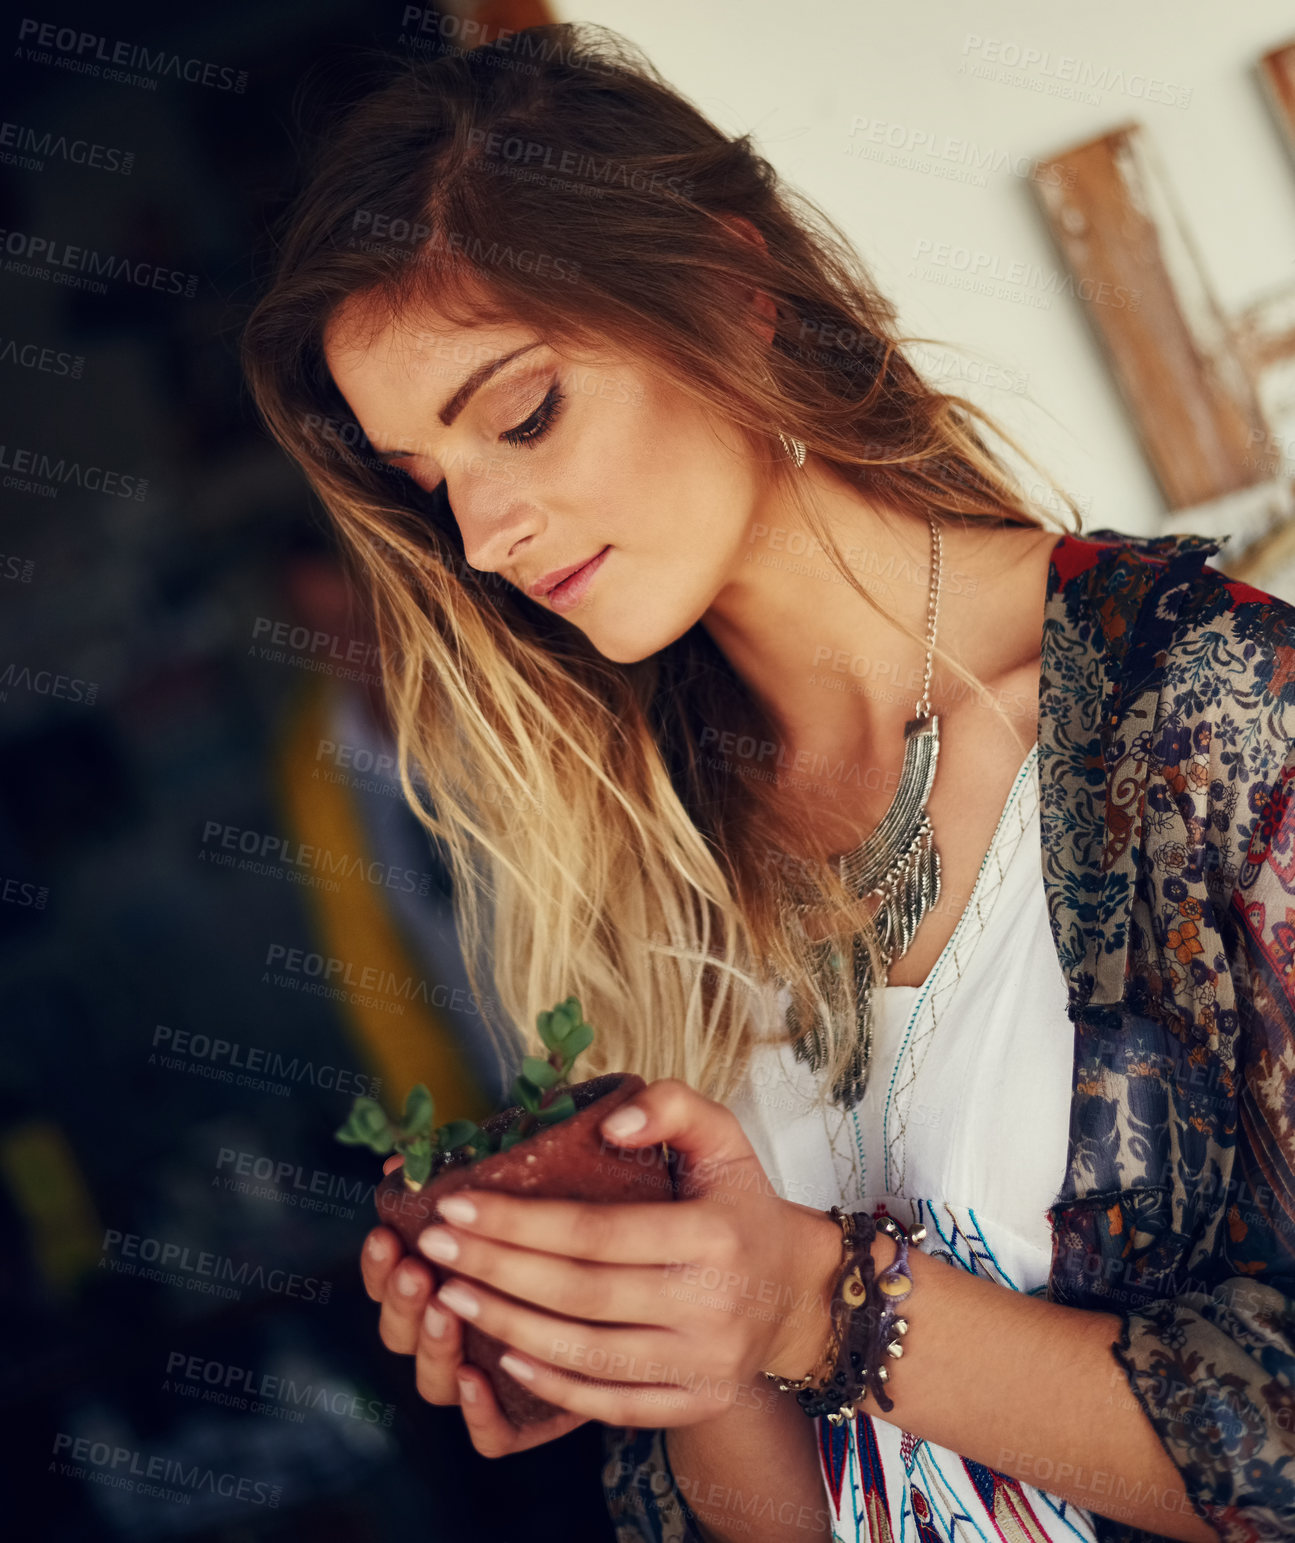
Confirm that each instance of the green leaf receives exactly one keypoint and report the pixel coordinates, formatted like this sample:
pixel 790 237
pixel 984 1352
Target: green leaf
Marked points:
pixel 559 1109
pixel 566 1016
pixel 510 1138
pixel 418 1164
pixel 458 1133
pixel 417 1118
pixel 543 1074
pixel 367 1126
pixel 557 1023
pixel 580 1038
pixel 526 1093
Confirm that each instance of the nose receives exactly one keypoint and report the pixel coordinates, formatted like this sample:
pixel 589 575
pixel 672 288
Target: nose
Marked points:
pixel 495 524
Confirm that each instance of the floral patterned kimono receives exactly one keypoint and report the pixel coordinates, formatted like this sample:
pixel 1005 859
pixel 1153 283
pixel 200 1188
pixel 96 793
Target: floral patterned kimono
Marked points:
pixel 1167 770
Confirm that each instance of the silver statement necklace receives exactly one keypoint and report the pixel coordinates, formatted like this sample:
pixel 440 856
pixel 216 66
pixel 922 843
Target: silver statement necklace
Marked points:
pixel 897 861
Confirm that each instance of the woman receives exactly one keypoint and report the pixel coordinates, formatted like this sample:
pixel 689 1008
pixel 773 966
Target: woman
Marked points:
pixel 660 527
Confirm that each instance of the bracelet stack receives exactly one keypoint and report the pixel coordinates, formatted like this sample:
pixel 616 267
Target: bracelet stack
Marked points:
pixel 865 1326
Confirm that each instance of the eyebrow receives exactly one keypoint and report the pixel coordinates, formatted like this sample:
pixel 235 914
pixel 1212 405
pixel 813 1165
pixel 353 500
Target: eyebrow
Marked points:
pixel 461 397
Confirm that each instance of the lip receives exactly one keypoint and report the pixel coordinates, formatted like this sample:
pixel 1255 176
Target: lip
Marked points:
pixel 550 581
pixel 569 593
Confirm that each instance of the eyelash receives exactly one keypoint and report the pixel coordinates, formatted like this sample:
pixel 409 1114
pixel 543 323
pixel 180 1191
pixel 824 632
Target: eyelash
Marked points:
pixel 534 428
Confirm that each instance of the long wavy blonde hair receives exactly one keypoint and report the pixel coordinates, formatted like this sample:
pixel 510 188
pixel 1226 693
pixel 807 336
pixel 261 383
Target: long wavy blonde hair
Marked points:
pixel 596 849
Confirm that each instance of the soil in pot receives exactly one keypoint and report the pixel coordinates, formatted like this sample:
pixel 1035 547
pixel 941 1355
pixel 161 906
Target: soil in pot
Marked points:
pixel 570 1160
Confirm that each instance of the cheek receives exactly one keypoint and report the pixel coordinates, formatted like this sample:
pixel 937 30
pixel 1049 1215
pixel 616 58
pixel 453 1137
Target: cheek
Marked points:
pixel 617 480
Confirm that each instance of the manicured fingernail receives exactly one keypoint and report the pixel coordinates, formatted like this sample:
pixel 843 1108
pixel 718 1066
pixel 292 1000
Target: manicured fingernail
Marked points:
pixel 516 1368
pixel 435 1322
pixel 436 1243
pixel 467 1390
pixel 624 1122
pixel 459 1299
pixel 406 1284
pixel 458 1208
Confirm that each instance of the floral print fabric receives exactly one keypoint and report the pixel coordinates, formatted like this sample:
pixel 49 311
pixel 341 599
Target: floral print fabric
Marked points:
pixel 1167 811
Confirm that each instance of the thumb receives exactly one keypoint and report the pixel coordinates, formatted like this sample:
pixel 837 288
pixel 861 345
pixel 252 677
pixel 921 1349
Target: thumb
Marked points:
pixel 707 1136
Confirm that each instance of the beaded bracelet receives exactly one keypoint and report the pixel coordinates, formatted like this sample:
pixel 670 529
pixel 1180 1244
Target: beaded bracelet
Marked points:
pixel 863 1315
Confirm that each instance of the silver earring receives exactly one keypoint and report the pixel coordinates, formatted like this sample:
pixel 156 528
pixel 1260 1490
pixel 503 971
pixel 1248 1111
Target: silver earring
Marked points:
pixel 795 448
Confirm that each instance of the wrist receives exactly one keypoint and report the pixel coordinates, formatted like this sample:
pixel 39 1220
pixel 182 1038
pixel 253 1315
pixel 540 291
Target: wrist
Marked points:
pixel 805 1326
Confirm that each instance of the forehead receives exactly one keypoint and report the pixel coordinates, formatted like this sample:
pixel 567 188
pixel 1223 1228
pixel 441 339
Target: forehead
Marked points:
pixel 367 347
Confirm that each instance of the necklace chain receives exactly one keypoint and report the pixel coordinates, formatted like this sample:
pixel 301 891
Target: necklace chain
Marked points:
pixel 898 860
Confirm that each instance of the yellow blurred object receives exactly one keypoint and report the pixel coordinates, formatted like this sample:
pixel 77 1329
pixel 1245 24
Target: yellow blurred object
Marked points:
pixel 42 1174
pixel 353 923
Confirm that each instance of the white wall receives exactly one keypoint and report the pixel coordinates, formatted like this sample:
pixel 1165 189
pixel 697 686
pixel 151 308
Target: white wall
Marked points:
pixel 799 76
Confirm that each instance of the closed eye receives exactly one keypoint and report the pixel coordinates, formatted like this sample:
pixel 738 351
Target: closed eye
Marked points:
pixel 534 428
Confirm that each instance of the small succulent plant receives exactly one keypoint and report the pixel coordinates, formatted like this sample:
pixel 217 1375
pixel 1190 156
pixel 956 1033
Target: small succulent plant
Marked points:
pixel 539 1088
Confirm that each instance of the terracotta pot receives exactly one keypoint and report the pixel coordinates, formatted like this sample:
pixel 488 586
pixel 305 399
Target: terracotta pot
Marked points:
pixel 566 1161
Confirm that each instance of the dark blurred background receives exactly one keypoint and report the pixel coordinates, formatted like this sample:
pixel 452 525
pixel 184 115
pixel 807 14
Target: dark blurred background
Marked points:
pixel 190 739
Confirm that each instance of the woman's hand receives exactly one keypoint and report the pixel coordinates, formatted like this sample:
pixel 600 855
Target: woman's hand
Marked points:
pixel 403 1284
pixel 676 1308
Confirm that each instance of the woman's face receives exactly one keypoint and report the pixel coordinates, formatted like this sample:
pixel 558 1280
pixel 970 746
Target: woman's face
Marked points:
pixel 551 461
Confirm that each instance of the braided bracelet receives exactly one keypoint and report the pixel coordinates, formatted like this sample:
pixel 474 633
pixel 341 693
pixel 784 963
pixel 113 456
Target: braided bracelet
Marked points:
pixel 863 1315
pixel 852 1283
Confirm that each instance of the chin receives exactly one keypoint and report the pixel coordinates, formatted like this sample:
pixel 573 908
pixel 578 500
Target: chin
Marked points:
pixel 629 647
pixel 621 652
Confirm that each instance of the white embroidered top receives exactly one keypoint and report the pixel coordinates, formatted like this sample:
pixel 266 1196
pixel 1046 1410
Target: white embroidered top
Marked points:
pixel 962 1131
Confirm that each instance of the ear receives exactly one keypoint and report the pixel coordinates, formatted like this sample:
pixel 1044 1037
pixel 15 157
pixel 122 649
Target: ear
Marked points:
pixel 761 303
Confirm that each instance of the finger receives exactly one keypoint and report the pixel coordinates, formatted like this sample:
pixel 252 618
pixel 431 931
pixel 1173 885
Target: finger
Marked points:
pixel 634 1232
pixel 403 1304
pixel 492 1432
pixel 569 1287
pixel 438 1356
pixel 616 1403
pixel 381 1252
pixel 625 1354
pixel 711 1148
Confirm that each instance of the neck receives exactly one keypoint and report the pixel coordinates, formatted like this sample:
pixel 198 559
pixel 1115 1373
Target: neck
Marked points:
pixel 834 673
